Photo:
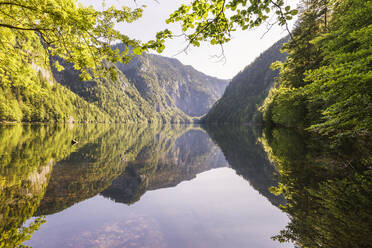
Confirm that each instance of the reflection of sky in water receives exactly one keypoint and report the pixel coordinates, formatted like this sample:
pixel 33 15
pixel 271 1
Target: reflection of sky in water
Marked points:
pixel 216 209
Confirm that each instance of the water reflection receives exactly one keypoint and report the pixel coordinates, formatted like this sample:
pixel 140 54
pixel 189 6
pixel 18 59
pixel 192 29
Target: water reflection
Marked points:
pixel 328 185
pixel 153 170
pixel 182 159
pixel 27 155
pixel 247 158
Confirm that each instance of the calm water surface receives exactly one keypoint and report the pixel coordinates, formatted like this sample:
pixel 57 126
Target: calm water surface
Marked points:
pixel 133 186
pixel 216 209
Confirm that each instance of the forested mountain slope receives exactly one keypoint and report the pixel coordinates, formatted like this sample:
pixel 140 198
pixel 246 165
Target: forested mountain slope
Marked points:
pixel 248 88
pixel 150 87
pixel 120 99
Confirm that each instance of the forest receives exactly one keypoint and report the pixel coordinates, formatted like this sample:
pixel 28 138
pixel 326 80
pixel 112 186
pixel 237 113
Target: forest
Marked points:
pixel 325 84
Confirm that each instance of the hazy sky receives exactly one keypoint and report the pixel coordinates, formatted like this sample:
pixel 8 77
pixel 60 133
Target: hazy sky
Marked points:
pixel 239 52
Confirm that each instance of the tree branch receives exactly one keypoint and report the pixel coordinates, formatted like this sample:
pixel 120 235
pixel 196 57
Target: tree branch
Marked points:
pixel 22 28
pixel 208 23
pixel 282 15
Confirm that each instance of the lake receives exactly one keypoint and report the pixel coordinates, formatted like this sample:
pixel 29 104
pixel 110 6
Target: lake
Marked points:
pixel 179 186
pixel 133 186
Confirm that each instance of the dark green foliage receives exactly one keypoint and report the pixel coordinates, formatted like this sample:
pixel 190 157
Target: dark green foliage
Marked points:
pixel 342 85
pixel 289 108
pixel 248 89
pixel 325 84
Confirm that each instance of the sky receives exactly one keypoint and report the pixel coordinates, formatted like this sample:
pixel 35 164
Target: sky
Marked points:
pixel 244 47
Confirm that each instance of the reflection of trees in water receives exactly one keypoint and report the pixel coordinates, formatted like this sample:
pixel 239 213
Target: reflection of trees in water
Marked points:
pixel 92 168
pixel 28 153
pixel 246 157
pixel 328 188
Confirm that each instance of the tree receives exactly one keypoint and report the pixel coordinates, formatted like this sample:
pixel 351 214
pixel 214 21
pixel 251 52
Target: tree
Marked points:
pixel 78 34
pixel 341 85
pixel 325 83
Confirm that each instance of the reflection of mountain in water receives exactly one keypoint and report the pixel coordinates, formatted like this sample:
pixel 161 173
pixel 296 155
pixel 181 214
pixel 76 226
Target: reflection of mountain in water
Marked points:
pixel 132 160
pixel 123 162
pixel 185 157
pixel 248 159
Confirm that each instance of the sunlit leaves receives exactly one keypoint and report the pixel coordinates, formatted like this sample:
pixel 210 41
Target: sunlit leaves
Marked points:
pixel 58 66
pixel 78 34
pixel 214 21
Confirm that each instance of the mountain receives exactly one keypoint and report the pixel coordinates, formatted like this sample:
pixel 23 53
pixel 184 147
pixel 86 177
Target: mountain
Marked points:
pixel 166 82
pixel 150 89
pixel 120 99
pixel 248 89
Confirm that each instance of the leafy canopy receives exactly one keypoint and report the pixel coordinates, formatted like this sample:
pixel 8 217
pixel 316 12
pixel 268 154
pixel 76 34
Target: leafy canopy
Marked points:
pixel 84 36
pixel 78 34
pixel 214 20
pixel 325 84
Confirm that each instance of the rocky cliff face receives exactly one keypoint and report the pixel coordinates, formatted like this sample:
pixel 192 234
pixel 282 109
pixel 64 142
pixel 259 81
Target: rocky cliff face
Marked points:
pixel 120 99
pixel 166 82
